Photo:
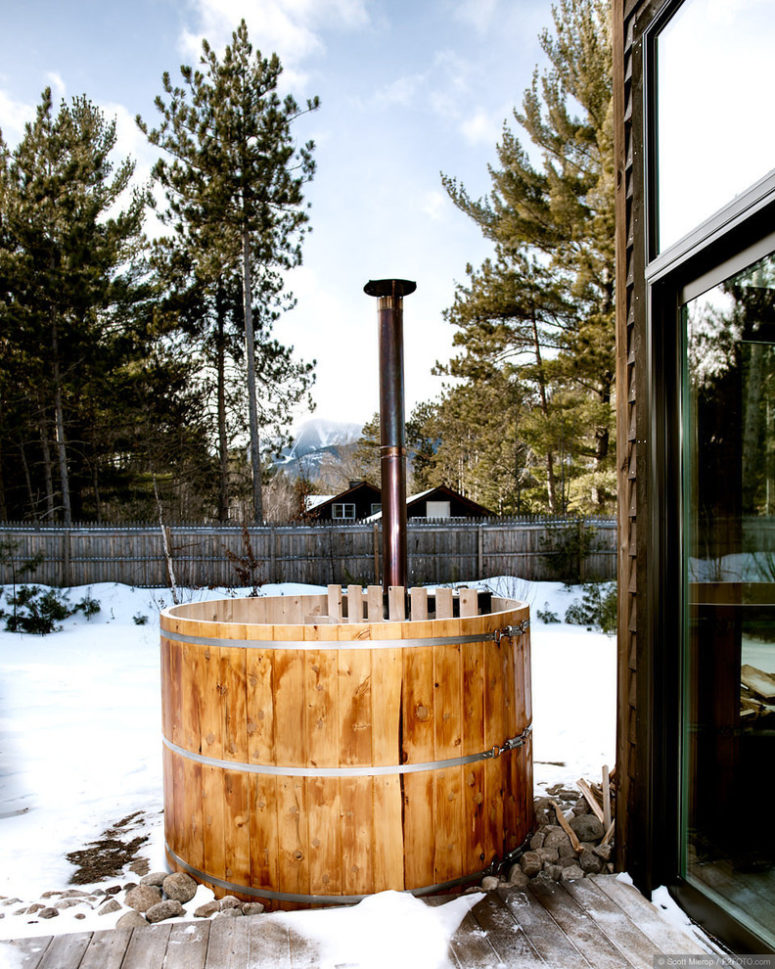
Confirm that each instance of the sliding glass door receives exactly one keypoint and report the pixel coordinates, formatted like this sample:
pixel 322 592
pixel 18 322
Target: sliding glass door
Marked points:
pixel 728 642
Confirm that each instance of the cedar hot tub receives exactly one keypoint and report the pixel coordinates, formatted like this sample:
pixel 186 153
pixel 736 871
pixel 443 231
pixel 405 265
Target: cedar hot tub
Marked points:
pixel 316 752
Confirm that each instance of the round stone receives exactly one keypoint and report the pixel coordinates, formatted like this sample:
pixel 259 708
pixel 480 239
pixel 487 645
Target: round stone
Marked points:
pixel 170 908
pixel 143 897
pixel 531 863
pixel 180 887
pixel 587 827
pixel 130 920
pixel 154 878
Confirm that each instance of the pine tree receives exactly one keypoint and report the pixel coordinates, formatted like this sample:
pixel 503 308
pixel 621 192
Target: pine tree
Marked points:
pixel 71 284
pixel 468 440
pixel 544 304
pixel 234 183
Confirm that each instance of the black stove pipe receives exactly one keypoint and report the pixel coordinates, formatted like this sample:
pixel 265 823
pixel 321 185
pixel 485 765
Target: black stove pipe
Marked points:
pixel 390 293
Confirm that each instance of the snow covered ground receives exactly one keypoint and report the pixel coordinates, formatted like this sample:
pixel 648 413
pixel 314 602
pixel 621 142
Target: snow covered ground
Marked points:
pixel 80 733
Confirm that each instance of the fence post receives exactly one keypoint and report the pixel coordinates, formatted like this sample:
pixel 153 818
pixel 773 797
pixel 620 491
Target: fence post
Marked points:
pixel 479 553
pixel 375 546
pixel 272 555
pixel 65 578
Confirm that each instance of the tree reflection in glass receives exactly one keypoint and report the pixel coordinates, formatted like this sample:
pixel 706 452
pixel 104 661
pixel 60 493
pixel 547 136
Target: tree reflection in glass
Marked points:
pixel 729 571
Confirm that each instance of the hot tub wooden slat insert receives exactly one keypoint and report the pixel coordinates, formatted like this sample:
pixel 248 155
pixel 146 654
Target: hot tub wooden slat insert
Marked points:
pixel 323 794
pixel 448 744
pixel 354 706
pixel 214 821
pixel 293 833
pixel 264 832
pixel 259 689
pixel 418 748
pixel 473 742
pixel 233 689
pixel 188 778
pixel 495 715
pixel 323 708
pixel 210 705
pixel 387 806
pixel 325 835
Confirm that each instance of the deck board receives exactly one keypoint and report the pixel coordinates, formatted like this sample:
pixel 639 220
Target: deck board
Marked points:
pixel 106 949
pixel 629 939
pixel 599 922
pixel 187 946
pixel 229 944
pixel 664 935
pixel 28 952
pixel 65 950
pixel 470 947
pixel 545 935
pixel 146 948
pixel 579 926
pixel 505 934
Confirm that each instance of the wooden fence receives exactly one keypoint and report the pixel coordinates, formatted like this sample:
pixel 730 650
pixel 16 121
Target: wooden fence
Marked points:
pixel 218 555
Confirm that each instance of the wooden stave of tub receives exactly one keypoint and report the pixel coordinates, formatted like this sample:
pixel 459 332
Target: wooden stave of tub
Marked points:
pixel 293 841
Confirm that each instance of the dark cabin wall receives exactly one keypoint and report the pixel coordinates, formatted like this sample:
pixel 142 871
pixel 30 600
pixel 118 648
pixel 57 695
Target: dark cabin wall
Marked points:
pixel 633 808
pixel 363 497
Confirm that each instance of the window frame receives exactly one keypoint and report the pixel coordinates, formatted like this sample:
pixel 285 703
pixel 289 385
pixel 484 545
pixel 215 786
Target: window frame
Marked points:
pixel 719 222
pixel 738 240
pixel 344 505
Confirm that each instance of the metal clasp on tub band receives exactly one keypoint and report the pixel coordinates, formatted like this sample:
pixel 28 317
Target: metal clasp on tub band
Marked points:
pixel 365 770
pixel 319 645
pixel 510 632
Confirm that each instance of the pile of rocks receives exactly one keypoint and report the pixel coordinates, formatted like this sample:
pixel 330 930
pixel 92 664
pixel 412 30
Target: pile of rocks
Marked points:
pixel 551 853
pixel 161 896
pixel 54 902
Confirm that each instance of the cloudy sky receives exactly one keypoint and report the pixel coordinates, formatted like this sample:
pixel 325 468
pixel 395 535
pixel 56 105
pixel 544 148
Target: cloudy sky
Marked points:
pixel 408 89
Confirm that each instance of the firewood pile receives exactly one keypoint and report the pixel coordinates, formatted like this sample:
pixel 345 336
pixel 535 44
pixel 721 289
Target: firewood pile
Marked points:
pixel 757 694
pixel 573 837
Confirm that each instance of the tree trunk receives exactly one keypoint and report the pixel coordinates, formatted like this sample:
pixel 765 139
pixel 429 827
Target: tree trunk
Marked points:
pixel 551 485
pixel 31 500
pixel 223 442
pixel 95 476
pixel 48 465
pixel 3 506
pixel 255 456
pixel 59 417
pixel 166 543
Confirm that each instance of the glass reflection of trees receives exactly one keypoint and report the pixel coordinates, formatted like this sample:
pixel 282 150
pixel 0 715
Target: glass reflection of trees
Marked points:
pixel 731 371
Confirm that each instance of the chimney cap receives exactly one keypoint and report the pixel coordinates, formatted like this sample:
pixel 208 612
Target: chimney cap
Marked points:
pixel 384 287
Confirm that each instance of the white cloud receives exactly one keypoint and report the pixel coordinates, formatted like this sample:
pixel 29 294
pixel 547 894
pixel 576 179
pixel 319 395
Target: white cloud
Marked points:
pixel 444 86
pixel 402 91
pixel 13 116
pixel 476 13
pixel 58 86
pixel 288 27
pixel 434 205
pixel 130 141
pixel 481 128
pixel 452 85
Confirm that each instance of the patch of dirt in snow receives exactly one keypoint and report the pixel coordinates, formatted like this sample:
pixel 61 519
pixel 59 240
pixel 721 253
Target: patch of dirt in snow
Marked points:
pixel 111 853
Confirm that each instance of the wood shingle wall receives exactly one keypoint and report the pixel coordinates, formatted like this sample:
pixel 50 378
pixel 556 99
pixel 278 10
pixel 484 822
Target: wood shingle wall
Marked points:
pixel 633 418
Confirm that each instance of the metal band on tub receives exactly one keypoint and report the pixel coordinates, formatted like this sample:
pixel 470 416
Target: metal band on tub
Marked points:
pixel 365 770
pixel 320 645
pixel 315 899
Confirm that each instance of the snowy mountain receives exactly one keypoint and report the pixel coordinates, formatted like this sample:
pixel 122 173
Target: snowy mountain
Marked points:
pixel 312 441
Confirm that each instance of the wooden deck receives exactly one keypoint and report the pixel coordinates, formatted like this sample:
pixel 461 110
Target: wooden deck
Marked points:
pixel 598 922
